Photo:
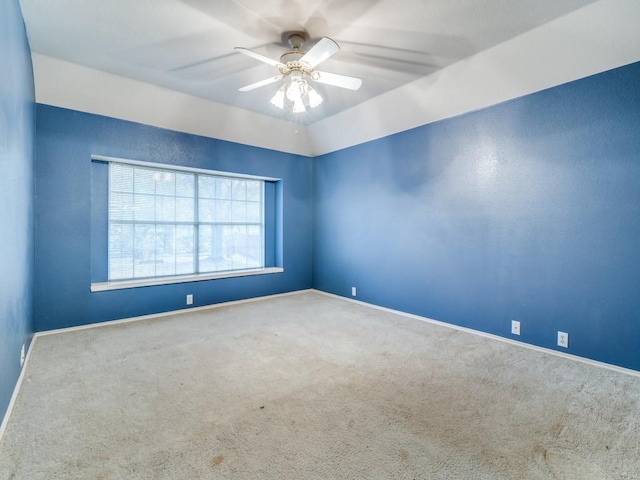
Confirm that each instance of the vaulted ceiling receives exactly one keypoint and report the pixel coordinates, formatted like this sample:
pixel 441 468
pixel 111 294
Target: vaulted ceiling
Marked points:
pixel 172 63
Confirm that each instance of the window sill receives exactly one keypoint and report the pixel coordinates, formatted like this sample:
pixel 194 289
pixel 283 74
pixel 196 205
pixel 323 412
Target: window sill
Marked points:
pixel 148 282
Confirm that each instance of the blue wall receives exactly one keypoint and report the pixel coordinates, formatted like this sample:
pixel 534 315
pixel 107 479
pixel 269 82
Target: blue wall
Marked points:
pixel 66 140
pixel 17 111
pixel 528 210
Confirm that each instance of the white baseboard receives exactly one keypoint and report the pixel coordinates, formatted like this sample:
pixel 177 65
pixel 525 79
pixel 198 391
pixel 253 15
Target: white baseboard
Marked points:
pixel 16 391
pixel 510 341
pixel 165 314
pixel 576 358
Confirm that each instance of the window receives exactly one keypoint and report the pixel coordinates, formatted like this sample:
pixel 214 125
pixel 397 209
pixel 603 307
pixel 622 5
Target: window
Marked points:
pixel 165 223
pixel 168 225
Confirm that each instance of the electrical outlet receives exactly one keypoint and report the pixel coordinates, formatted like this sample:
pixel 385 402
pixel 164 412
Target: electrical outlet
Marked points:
pixel 515 327
pixel 22 355
pixel 190 299
pixel 563 339
pixel 353 291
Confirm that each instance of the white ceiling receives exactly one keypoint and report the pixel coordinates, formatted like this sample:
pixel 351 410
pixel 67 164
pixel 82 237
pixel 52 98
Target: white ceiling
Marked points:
pixel 94 54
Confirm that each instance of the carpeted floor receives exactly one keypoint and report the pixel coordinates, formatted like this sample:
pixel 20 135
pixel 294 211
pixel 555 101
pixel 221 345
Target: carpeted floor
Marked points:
pixel 309 386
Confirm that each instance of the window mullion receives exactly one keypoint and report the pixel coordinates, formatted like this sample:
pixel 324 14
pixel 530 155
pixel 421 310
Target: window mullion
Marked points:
pixel 133 235
pixel 196 224
pixel 262 223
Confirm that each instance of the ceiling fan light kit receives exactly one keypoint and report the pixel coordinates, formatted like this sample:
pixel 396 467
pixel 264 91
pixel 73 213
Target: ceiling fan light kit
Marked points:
pixel 296 67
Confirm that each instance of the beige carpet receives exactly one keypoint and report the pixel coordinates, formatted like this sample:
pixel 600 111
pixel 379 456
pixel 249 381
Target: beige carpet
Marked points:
pixel 308 386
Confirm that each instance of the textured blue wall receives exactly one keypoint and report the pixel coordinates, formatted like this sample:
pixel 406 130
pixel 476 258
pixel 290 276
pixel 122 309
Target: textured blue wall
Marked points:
pixel 66 140
pixel 17 126
pixel 529 211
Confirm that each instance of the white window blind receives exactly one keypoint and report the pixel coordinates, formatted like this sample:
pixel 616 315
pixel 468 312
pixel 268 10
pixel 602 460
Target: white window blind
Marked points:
pixel 165 222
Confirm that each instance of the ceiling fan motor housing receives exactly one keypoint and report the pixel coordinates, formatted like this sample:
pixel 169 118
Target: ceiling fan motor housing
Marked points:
pixel 295 41
pixel 291 60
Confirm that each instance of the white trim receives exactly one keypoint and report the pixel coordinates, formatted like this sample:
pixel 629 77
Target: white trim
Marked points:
pixel 148 282
pixel 568 356
pixel 166 166
pixel 167 314
pixel 16 390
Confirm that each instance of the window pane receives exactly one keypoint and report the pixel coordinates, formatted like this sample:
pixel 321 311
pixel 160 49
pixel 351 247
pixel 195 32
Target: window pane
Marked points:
pixel 240 247
pixel 239 212
pixel 121 206
pixel 185 261
pixel 144 208
pixel 206 210
pixel 144 251
pixel 184 210
pixel 165 209
pixel 209 248
pixel 120 251
pixel 239 189
pixel 121 178
pixel 254 249
pixel 227 248
pixel 254 212
pixel 144 181
pixel 165 183
pixel 223 211
pixel 206 186
pixel 223 188
pixel 165 250
pixel 184 184
pixel 254 190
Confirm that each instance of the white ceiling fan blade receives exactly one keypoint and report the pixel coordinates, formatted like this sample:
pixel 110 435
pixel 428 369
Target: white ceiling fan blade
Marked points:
pixel 320 51
pixel 261 83
pixel 342 81
pixel 257 56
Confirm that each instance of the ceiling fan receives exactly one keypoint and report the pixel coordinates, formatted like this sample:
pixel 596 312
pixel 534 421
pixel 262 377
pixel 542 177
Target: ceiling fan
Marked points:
pixel 297 68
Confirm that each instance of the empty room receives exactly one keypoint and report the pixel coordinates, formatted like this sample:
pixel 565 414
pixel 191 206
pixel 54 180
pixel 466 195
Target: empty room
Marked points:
pixel 277 239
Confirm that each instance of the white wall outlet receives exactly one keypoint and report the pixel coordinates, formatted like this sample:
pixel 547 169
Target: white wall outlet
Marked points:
pixel 190 299
pixel 353 291
pixel 563 339
pixel 22 355
pixel 515 327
